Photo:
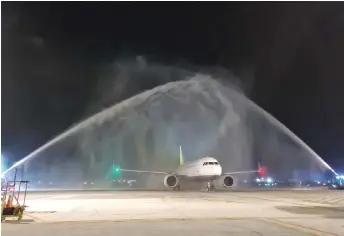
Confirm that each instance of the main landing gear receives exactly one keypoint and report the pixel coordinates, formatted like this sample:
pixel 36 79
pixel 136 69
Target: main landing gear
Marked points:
pixel 177 188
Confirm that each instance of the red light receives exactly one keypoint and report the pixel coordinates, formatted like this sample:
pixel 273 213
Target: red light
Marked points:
pixel 262 171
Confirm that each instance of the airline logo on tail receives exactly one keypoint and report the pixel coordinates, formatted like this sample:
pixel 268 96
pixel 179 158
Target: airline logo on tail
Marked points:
pixel 181 159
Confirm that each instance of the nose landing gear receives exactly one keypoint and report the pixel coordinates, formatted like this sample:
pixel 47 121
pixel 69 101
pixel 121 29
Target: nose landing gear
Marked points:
pixel 210 186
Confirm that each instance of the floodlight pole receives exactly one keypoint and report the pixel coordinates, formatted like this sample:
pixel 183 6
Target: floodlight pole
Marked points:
pixel 15 175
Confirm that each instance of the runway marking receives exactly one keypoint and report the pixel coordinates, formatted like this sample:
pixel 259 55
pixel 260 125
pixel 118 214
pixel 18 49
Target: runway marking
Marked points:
pixel 37 219
pixel 41 212
pixel 300 202
pixel 147 220
pixel 299 228
pixel 169 219
pixel 325 200
pixel 274 200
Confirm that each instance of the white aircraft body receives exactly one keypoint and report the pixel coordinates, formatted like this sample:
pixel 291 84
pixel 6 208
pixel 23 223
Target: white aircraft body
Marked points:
pixel 206 169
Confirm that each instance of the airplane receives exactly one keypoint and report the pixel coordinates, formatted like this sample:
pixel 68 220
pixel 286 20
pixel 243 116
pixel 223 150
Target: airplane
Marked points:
pixel 206 169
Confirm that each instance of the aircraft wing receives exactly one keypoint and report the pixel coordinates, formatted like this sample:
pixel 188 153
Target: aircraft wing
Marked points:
pixel 240 172
pixel 181 162
pixel 153 172
pixel 261 170
pixel 145 171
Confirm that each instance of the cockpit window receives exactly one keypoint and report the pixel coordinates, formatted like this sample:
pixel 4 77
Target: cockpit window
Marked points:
pixel 210 163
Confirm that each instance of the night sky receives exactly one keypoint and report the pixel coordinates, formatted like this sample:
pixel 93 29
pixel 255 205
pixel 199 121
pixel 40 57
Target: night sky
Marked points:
pixel 290 57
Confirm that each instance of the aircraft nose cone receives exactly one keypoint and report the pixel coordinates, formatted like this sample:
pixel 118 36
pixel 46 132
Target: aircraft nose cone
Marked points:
pixel 219 170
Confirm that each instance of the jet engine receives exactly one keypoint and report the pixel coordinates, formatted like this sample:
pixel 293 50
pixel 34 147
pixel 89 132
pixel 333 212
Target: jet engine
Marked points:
pixel 171 181
pixel 228 181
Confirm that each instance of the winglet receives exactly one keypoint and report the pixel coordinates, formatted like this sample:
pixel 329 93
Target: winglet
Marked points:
pixel 181 159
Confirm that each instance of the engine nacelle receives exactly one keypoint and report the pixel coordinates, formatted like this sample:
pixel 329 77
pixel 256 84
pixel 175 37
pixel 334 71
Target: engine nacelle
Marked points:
pixel 171 181
pixel 228 181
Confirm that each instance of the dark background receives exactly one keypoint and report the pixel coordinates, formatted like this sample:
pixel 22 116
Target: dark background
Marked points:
pixel 288 55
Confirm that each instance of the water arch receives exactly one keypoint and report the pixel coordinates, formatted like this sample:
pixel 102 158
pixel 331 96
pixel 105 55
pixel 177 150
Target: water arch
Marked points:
pixel 204 116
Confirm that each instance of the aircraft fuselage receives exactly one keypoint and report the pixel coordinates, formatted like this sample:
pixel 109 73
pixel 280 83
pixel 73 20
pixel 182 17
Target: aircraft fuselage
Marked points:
pixel 203 169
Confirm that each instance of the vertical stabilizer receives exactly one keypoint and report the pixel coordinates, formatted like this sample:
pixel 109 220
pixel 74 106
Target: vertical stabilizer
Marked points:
pixel 181 159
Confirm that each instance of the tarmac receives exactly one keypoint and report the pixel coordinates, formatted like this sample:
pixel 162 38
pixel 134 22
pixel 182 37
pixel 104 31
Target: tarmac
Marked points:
pixel 287 212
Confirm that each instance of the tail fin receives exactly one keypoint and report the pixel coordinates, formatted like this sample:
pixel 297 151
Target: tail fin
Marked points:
pixel 181 159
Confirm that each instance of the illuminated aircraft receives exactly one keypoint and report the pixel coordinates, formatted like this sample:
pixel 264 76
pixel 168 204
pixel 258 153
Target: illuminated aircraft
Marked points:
pixel 206 169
